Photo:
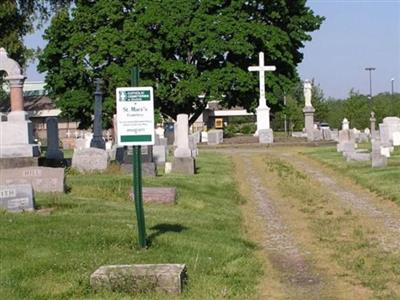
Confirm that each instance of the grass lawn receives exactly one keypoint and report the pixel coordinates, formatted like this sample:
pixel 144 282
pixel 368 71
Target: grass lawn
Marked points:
pixel 384 181
pixel 51 255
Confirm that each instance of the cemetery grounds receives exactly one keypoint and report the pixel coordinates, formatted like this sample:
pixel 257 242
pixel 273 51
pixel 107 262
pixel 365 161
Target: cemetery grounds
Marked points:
pixel 254 223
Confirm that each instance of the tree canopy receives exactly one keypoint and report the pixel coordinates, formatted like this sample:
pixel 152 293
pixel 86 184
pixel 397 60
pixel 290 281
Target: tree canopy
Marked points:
pixel 20 17
pixel 190 51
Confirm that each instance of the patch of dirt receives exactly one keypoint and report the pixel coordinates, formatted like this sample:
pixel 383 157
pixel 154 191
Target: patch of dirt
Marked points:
pixel 284 254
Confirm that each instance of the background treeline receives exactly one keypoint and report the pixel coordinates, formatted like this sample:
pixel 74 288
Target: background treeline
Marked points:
pixel 356 108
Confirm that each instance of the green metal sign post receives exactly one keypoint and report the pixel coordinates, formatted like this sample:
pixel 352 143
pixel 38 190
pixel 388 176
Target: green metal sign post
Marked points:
pixel 137 177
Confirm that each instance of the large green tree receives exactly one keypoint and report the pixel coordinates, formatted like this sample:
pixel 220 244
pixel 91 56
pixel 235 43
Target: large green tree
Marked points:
pixel 20 17
pixel 190 51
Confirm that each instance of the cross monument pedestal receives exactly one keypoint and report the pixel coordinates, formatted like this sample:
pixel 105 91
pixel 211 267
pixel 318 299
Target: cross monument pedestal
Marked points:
pixel 264 132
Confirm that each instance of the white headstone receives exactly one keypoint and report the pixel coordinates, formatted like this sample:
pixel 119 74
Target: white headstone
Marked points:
pixel 182 137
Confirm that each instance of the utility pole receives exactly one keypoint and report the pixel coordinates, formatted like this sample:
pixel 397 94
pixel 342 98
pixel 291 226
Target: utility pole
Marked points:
pixel 370 69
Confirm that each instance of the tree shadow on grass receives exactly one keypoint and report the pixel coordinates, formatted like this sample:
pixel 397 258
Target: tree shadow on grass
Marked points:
pixel 164 228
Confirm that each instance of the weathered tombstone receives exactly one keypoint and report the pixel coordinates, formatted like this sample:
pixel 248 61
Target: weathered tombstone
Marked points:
pixel 344 135
pixel 160 154
pixel 392 125
pixel 193 146
pixel 42 179
pixel 385 151
pixel 17 131
pixel 396 138
pixel 216 136
pixel 90 160
pixel 348 148
pixel 204 137
pixel 160 195
pixel 263 122
pixel 326 134
pixel 308 111
pixel 17 197
pixel 384 134
pixel 183 161
pixel 335 134
pixel 317 134
pixel 265 137
pixel 133 279
pixel 53 152
pixel 97 140
pixel 149 168
pixel 377 159
pixel 358 156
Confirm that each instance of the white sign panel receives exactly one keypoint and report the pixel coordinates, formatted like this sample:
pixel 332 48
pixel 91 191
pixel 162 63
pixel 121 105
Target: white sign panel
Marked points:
pixel 135 116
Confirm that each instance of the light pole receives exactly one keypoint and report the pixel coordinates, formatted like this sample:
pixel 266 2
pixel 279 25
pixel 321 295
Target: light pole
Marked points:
pixel 370 69
pixel 392 80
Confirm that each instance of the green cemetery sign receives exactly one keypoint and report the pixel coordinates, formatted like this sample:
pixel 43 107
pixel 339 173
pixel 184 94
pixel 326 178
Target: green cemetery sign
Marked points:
pixel 135 116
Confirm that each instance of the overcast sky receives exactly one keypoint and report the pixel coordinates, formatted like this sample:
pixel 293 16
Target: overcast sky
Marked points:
pixel 355 35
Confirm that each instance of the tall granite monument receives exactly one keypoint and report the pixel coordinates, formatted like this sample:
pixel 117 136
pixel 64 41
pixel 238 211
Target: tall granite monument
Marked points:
pixel 183 162
pixel 16 130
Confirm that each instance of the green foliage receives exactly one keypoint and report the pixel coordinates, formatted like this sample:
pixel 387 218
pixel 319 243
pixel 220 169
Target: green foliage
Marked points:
pixel 184 48
pixel 357 108
pixel 18 18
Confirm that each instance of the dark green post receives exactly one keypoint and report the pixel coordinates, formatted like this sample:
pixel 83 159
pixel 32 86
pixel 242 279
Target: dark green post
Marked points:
pixel 137 177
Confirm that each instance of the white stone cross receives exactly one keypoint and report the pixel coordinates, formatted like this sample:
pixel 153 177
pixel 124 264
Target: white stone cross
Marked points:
pixel 262 69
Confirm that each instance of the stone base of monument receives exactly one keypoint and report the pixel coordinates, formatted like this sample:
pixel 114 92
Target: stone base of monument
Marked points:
pixel 357 156
pixel 160 195
pixel 54 154
pixel 265 136
pixel 17 197
pixel 90 159
pixel 133 279
pixel 42 179
pixel 149 169
pixel 17 136
pixel 18 162
pixel 184 165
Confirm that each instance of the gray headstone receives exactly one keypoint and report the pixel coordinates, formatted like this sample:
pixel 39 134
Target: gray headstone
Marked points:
pixel 184 165
pixel 348 148
pixel 317 134
pixel 326 134
pixel 265 136
pixel 193 145
pixel 17 197
pixel 90 160
pixel 134 279
pixel 357 156
pixel 149 169
pixel 182 136
pixel 42 179
pixel 53 151
pixel 215 137
pixel 161 195
pixel 160 154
